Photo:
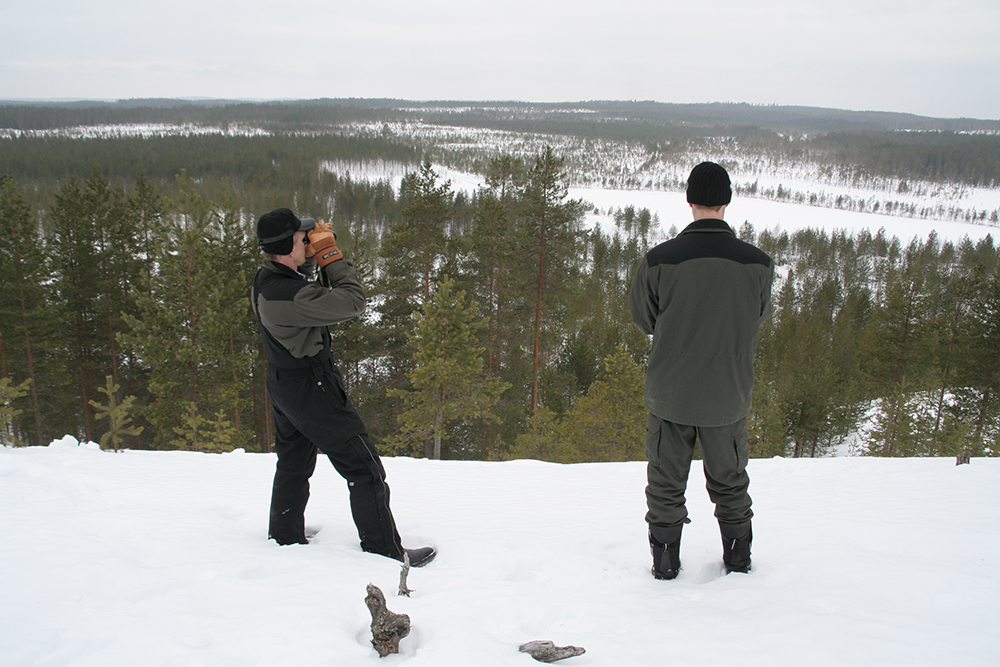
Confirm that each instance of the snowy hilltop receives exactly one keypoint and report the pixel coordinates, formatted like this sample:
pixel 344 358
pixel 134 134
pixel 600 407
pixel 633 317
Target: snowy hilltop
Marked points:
pixel 160 558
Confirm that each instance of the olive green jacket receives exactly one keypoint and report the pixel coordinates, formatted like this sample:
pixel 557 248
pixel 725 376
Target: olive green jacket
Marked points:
pixel 702 296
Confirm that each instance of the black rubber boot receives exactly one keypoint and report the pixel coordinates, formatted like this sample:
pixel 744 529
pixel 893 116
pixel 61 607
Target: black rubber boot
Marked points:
pixel 665 545
pixel 736 540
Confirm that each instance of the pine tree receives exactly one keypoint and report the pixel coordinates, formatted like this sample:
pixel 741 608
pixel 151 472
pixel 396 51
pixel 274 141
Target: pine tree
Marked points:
pixel 191 434
pixel 8 394
pixel 414 248
pixel 24 302
pixel 543 440
pixel 411 253
pixel 448 382
pixel 550 236
pixel 901 345
pixel 184 332
pixel 978 361
pixel 608 423
pixel 96 260
pixel 119 423
pixel 492 277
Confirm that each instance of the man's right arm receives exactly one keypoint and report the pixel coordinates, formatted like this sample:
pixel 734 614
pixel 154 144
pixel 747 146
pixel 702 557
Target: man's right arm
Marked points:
pixel 343 300
pixel 642 301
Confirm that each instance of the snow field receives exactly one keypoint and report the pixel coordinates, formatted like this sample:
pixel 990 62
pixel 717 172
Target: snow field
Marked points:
pixel 160 558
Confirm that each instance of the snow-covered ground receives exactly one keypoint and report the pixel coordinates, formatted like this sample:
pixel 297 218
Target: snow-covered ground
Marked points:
pixel 160 558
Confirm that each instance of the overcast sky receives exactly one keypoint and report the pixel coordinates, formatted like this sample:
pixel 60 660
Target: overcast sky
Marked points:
pixel 928 57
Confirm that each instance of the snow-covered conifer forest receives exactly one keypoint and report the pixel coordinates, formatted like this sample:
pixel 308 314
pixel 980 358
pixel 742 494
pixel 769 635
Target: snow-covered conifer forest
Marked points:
pixel 134 227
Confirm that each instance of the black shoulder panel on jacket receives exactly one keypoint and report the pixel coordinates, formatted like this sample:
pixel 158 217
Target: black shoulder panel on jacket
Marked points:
pixel 278 286
pixel 701 245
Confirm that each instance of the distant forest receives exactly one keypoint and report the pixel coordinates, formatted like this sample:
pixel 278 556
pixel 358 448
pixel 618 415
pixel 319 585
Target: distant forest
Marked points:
pixel 863 142
pixel 124 313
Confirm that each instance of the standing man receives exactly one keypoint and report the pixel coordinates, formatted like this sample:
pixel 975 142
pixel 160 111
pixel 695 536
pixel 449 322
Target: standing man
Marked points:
pixel 702 296
pixel 311 409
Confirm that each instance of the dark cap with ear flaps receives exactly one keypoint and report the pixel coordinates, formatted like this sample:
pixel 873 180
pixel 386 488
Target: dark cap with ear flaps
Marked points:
pixel 276 228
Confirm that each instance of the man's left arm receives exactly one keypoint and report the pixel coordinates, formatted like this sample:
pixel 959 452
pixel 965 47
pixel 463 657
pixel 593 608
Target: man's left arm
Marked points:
pixel 344 299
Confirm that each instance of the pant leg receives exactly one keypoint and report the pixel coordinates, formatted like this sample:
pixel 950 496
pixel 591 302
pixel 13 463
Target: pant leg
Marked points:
pixel 358 462
pixel 724 450
pixel 316 407
pixel 669 448
pixel 290 491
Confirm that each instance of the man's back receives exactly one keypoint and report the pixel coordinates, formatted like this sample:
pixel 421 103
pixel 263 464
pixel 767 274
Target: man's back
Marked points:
pixel 702 296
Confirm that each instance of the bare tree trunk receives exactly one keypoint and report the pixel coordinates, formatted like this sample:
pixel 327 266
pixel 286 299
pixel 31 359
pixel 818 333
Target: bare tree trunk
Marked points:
pixel 538 328
pixel 437 436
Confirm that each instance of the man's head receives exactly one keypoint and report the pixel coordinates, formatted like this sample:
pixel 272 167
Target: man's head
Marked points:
pixel 709 186
pixel 276 231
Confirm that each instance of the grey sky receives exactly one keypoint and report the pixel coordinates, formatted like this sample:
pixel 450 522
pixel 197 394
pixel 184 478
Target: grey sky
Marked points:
pixel 927 57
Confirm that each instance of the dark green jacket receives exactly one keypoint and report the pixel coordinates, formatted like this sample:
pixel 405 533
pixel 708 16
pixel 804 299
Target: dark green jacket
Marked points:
pixel 702 296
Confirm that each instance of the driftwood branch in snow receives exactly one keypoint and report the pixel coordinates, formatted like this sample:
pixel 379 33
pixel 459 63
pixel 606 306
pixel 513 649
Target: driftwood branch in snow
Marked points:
pixel 546 651
pixel 387 627
pixel 404 572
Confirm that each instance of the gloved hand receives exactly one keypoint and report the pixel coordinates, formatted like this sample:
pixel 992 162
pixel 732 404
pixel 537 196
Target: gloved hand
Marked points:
pixel 323 244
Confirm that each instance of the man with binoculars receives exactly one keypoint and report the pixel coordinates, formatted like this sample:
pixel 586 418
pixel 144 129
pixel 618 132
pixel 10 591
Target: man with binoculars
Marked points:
pixel 311 410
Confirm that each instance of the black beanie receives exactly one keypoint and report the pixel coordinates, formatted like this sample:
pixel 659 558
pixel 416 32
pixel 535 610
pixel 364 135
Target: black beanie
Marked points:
pixel 709 185
pixel 276 229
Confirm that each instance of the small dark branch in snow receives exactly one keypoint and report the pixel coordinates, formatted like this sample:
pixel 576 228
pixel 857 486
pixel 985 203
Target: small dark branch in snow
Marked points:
pixel 546 651
pixel 404 572
pixel 387 627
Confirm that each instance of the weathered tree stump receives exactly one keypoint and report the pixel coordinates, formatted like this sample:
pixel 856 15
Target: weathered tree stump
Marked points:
pixel 546 651
pixel 387 627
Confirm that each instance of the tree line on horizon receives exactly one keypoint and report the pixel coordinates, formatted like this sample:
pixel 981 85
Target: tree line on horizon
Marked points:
pixel 864 144
pixel 125 311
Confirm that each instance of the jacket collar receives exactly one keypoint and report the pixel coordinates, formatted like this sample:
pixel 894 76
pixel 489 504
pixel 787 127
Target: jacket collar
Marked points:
pixel 709 225
pixel 278 267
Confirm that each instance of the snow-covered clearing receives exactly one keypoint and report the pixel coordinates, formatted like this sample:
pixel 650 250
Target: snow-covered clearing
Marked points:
pixel 671 208
pixel 160 558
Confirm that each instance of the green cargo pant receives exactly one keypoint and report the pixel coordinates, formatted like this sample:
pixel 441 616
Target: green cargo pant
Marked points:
pixel 724 451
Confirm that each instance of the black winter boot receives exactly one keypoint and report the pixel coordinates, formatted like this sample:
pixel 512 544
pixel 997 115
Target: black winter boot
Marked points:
pixel 422 556
pixel 665 545
pixel 736 539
